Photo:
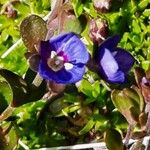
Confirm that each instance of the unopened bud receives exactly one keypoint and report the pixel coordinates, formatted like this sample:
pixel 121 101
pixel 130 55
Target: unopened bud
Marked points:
pixel 102 6
pixel 10 12
pixel 33 60
pixel 56 87
pixel 98 30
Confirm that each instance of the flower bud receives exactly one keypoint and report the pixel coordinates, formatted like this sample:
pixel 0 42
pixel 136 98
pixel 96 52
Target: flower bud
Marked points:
pixel 55 87
pixel 102 6
pixel 33 60
pixel 10 12
pixel 98 30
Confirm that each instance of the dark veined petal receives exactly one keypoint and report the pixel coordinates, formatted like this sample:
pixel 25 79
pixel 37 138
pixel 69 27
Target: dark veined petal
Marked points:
pixel 110 43
pixel 109 68
pixel 124 59
pixel 72 46
pixel 63 76
pixel 45 49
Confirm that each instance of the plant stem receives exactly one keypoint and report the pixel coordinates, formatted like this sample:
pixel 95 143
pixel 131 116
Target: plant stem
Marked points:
pixel 37 80
pixel 12 48
pixel 129 134
pixel 98 146
pixel 7 113
pixel 147 110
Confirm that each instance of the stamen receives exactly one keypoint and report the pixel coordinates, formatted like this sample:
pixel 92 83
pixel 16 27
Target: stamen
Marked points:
pixel 55 63
pixel 68 66
pixel 53 54
pixel 60 58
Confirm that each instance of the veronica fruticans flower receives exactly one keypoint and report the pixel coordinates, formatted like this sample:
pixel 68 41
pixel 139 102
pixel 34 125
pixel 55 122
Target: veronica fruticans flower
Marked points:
pixel 63 58
pixel 114 62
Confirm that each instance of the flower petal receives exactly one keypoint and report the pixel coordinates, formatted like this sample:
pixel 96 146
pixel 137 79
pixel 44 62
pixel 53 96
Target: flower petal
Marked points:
pixel 69 47
pixel 110 43
pixel 124 59
pixel 72 46
pixel 109 68
pixel 63 76
pixel 45 49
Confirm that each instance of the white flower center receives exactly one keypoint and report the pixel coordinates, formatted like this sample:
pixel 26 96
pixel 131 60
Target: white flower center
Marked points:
pixel 68 66
pixel 56 62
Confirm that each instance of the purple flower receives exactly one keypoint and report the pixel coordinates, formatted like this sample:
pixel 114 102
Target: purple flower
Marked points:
pixel 63 58
pixel 114 63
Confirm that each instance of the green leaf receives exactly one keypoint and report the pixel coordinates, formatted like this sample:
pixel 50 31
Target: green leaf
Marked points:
pixel 67 110
pixel 121 101
pixel 22 92
pixel 113 140
pixel 136 38
pixel 46 4
pixel 5 95
pixel 91 90
pixel 87 127
pixel 29 76
pixel 56 106
pixel 35 93
pixel 101 122
pixel 131 93
pixel 78 7
pixel 33 29
pixel 140 99
pixel 73 24
pixel 10 140
pixel 125 105
pixel 146 12
pixel 146 64
pixel 22 8
pixel 136 27
pixel 13 139
pixel 86 87
pixel 143 4
pixel 18 86
pixel 96 89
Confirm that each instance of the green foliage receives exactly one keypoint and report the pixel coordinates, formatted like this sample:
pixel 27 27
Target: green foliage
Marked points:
pixel 21 91
pixel 5 97
pixel 129 103
pixel 10 140
pixel 86 111
pixel 78 7
pixel 113 140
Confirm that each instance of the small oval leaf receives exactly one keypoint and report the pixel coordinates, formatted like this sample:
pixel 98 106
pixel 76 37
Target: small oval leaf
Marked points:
pixel 5 97
pixel 18 86
pixel 124 104
pixel 87 127
pixel 8 141
pixel 113 140
pixel 33 29
pixel 22 89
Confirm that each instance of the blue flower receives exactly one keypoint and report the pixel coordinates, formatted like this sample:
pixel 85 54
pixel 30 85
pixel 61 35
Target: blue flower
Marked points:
pixel 63 58
pixel 114 63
